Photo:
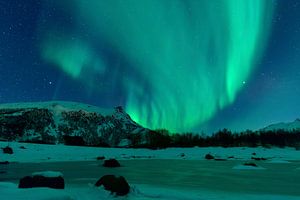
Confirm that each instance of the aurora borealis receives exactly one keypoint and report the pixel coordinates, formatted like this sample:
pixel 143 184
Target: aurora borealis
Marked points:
pixel 182 65
pixel 192 62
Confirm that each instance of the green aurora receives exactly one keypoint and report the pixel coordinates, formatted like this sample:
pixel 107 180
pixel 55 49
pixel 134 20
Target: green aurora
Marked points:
pixel 194 57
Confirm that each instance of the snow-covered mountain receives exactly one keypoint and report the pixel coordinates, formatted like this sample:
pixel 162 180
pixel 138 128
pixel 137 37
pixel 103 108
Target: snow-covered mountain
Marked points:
pixel 68 122
pixel 289 126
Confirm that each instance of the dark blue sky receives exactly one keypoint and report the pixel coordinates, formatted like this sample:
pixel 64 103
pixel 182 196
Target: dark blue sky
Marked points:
pixel 272 94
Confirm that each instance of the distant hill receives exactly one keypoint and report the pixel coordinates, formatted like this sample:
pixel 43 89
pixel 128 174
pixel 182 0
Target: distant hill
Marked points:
pixel 69 123
pixel 289 126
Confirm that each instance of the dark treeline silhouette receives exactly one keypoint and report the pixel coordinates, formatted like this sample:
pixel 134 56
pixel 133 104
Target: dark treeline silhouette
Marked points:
pixel 223 138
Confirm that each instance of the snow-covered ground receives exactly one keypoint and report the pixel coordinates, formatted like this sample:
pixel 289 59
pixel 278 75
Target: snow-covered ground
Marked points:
pixel 54 153
pixel 139 192
pixel 247 167
pixel 37 153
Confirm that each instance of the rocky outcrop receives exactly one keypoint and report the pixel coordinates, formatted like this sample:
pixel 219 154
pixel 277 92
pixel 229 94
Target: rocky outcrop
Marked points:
pixel 250 164
pixel 111 163
pixel 114 184
pixel 72 124
pixel 31 124
pixel 209 157
pixel 8 150
pixel 42 180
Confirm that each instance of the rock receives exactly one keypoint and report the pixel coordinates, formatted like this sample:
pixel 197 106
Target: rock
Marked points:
pixel 42 180
pixel 137 157
pixel 100 158
pixel 182 155
pixel 255 158
pixel 117 185
pixel 4 163
pixel 250 164
pixel 209 157
pixel 230 157
pixel 111 163
pixel 22 147
pixel 8 150
pixel 254 154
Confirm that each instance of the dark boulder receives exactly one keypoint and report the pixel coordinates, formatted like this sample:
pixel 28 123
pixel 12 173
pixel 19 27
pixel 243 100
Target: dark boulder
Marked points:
pixel 258 159
pixel 42 181
pixel 209 157
pixel 111 163
pixel 250 164
pixel 8 150
pixel 117 185
pixel 4 162
pixel 182 155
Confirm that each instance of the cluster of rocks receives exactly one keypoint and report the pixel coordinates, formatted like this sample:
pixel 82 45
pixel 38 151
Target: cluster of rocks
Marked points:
pixel 41 180
pixel 247 164
pixel 253 157
pixel 211 157
pixel 117 185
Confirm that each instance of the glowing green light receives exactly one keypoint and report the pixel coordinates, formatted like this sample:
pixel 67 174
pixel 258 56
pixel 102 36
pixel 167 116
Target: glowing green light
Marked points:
pixel 194 55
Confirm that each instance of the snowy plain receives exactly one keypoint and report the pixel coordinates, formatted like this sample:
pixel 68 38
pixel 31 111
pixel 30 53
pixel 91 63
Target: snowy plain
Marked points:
pixel 37 153
pixel 140 192
pixel 55 153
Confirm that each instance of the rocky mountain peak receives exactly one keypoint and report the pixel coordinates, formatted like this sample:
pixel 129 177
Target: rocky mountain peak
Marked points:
pixel 58 122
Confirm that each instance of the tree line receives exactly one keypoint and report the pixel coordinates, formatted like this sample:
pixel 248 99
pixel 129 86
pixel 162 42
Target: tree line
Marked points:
pixel 222 138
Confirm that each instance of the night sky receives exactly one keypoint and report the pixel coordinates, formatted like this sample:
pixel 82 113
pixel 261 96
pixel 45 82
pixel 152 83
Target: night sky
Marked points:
pixel 194 65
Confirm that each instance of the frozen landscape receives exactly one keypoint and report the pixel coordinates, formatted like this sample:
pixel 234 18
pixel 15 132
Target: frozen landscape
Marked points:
pixel 173 173
pixel 261 172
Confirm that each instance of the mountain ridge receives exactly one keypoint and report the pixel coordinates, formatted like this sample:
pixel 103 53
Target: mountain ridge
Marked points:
pixel 58 121
pixel 287 126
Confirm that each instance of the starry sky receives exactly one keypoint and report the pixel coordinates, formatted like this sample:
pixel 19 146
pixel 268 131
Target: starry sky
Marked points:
pixel 184 65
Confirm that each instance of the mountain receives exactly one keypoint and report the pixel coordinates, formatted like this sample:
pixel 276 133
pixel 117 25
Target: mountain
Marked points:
pixel 289 126
pixel 70 123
